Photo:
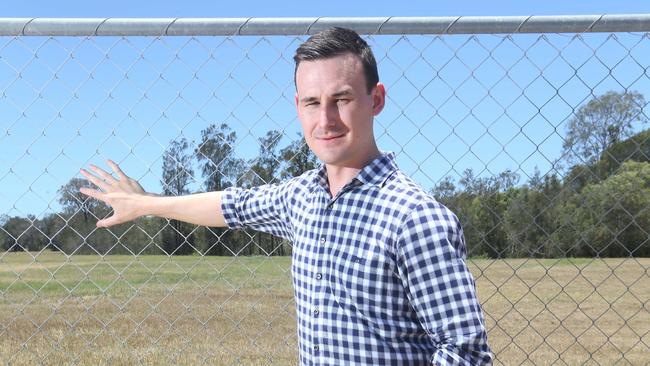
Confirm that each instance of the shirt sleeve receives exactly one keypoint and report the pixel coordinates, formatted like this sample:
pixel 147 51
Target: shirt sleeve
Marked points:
pixel 262 208
pixel 431 263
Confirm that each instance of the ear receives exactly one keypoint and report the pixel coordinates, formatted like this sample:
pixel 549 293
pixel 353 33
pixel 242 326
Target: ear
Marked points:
pixel 378 98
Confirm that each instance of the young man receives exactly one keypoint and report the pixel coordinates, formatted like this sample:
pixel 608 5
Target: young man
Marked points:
pixel 378 265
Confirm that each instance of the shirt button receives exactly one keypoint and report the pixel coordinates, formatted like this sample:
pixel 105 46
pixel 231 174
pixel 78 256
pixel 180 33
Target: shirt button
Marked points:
pixel 319 276
pixel 316 312
pixel 316 348
pixel 322 240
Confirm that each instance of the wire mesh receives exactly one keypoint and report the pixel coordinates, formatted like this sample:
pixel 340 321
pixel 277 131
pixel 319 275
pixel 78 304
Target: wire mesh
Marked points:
pixel 539 143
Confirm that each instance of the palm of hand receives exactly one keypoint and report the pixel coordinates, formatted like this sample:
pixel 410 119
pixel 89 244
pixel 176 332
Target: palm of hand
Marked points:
pixel 123 194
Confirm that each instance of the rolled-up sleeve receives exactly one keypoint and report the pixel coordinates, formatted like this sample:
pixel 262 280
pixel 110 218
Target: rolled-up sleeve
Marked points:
pixel 260 208
pixel 431 263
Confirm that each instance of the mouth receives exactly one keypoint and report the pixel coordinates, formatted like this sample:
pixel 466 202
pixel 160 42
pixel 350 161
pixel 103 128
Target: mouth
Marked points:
pixel 330 138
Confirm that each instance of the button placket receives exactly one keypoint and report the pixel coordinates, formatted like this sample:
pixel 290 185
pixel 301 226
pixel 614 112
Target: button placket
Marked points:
pixel 324 241
pixel 317 285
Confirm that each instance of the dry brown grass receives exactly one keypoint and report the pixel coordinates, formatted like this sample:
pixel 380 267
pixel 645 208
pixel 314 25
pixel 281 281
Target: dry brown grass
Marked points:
pixel 574 312
pixel 122 310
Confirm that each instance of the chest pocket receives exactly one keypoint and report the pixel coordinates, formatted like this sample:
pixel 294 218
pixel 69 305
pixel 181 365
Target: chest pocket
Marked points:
pixel 360 275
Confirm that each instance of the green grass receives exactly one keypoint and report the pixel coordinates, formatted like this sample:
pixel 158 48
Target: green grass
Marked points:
pixel 156 310
pixel 53 274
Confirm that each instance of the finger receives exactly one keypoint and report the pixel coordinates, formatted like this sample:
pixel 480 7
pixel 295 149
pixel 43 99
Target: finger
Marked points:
pixel 107 177
pixel 94 180
pixel 93 193
pixel 109 221
pixel 116 169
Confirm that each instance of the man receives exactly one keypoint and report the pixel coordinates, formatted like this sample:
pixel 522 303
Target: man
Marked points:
pixel 378 265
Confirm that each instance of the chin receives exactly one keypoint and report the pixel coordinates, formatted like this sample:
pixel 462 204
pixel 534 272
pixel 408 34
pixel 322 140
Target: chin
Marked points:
pixel 331 158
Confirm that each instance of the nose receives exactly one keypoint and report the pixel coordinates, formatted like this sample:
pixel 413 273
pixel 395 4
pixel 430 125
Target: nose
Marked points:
pixel 327 115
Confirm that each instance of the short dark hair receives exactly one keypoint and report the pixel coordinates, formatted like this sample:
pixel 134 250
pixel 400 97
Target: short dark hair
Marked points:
pixel 335 42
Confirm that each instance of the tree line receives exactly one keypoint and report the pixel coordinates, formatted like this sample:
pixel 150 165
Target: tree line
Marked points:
pixel 73 229
pixel 599 206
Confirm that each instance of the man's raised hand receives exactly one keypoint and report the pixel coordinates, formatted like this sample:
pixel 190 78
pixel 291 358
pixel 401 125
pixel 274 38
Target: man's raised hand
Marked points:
pixel 123 194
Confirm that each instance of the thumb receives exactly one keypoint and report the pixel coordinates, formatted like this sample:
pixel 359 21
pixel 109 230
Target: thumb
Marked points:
pixel 109 221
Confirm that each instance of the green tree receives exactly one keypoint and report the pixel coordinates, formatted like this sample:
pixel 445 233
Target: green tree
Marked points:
pixel 12 229
pixel 23 233
pixel 220 169
pixel 445 191
pixel 635 148
pixel 600 123
pixel 530 218
pixel 145 236
pixel 5 237
pixel 52 226
pixel 79 214
pixel 76 203
pixel 264 170
pixel 177 173
pixel 480 204
pixel 611 218
pixel 297 158
pixel 215 152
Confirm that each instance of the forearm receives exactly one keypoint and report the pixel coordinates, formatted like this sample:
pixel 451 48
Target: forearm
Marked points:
pixel 198 209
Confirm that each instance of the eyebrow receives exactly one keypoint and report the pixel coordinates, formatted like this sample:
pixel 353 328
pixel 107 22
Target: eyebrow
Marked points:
pixel 308 99
pixel 342 93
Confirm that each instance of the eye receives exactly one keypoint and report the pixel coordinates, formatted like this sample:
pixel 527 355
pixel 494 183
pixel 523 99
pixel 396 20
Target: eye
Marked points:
pixel 342 101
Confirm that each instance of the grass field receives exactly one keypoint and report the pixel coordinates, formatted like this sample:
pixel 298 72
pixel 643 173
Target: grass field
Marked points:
pixel 155 310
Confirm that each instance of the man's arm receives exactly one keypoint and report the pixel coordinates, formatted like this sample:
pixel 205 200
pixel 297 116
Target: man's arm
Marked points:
pixel 441 288
pixel 130 201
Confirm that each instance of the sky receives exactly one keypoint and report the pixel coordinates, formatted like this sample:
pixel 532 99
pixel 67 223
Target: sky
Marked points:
pixel 194 8
pixel 434 133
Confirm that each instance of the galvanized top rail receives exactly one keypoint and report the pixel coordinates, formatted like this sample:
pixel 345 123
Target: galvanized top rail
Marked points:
pixel 301 26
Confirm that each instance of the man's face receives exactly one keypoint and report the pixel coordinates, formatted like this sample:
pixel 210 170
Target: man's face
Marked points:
pixel 336 111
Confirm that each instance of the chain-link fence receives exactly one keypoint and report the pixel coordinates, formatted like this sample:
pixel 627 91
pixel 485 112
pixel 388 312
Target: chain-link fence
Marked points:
pixel 532 129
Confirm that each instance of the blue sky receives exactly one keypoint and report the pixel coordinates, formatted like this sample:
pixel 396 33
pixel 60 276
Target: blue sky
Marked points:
pixel 434 132
pixel 193 8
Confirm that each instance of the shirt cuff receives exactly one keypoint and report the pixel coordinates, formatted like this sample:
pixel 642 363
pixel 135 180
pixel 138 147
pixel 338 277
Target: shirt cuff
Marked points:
pixel 229 208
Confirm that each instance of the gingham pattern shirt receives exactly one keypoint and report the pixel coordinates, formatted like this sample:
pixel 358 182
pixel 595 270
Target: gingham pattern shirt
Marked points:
pixel 378 271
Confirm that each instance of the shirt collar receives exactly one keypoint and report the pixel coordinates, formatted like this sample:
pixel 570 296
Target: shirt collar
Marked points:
pixel 375 173
pixel 379 170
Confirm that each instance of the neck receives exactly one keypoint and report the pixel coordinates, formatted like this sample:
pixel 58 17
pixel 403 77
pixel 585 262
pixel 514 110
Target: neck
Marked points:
pixel 340 175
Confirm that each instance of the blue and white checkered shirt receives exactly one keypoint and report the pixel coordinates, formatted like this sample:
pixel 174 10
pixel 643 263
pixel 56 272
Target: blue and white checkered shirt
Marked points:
pixel 378 271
